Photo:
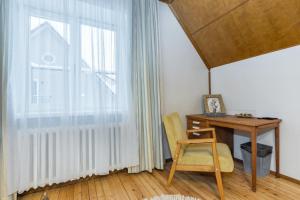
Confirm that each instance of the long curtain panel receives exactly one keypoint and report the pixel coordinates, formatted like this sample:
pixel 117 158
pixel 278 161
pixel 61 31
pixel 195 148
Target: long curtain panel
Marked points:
pixel 72 111
pixel 146 79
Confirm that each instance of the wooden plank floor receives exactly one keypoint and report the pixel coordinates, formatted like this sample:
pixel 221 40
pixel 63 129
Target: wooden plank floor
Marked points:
pixel 123 186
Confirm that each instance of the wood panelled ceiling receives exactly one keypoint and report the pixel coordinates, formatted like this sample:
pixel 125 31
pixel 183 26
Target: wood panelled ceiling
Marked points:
pixel 225 31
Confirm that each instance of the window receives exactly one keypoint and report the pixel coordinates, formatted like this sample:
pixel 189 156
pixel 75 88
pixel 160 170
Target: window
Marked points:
pixel 48 59
pixel 48 43
pixel 98 66
pixel 55 66
pixel 34 91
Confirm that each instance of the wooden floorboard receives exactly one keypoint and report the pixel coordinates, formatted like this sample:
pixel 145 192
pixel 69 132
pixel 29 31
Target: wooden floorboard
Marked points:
pixel 123 186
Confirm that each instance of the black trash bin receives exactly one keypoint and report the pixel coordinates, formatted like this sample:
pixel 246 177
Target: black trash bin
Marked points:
pixel 263 159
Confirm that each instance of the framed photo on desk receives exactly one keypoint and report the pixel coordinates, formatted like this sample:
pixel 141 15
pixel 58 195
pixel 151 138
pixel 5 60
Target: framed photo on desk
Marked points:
pixel 214 105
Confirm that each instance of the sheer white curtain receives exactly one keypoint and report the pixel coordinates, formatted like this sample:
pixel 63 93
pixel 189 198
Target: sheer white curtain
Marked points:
pixel 71 112
pixel 4 60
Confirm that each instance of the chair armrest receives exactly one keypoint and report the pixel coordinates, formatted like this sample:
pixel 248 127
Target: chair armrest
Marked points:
pixel 197 141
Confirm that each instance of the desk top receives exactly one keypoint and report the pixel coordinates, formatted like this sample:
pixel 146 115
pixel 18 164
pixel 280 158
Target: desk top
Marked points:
pixel 236 120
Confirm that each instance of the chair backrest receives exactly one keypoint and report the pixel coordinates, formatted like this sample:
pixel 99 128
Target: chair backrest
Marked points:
pixel 174 130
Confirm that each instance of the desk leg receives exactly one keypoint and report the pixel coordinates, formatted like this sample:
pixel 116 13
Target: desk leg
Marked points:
pixel 254 154
pixel 277 152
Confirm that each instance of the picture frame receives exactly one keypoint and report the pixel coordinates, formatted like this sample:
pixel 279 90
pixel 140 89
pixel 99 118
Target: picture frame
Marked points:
pixel 214 105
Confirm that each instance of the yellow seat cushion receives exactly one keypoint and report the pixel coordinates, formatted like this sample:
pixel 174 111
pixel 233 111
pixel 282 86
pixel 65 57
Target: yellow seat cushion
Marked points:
pixel 201 154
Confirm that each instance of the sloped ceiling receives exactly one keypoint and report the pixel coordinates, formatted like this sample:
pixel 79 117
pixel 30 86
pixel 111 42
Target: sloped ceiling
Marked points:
pixel 225 31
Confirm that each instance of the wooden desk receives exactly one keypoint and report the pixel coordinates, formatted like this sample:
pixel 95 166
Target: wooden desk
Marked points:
pixel 251 126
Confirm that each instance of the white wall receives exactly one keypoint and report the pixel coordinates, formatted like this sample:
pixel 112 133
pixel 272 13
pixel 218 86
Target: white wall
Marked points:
pixel 183 74
pixel 268 85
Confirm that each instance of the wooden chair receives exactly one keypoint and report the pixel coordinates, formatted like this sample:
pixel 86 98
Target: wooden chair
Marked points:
pixel 201 155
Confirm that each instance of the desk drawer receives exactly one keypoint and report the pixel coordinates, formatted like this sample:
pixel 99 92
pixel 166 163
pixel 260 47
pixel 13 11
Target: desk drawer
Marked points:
pixel 195 124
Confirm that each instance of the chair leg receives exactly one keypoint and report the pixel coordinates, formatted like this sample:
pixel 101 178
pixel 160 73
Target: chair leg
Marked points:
pixel 217 170
pixel 219 183
pixel 173 168
pixel 172 172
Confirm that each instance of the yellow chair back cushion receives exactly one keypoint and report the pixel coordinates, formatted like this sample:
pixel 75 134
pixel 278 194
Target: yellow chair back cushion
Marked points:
pixel 174 130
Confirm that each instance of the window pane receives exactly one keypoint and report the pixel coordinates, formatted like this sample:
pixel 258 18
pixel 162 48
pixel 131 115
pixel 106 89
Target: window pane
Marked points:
pixel 98 78
pixel 49 43
pixel 34 92
pixel 98 48
pixel 61 28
